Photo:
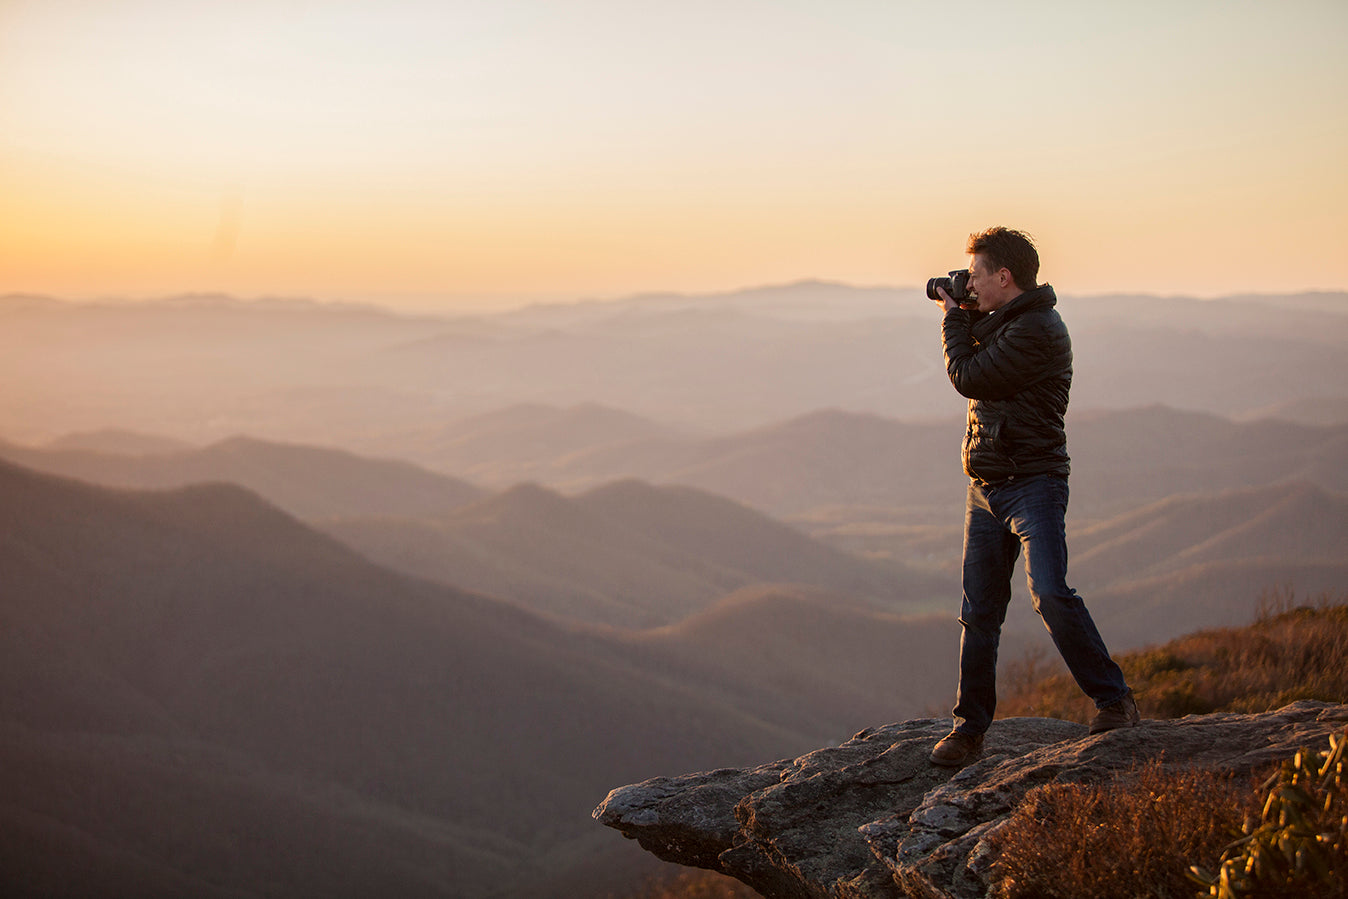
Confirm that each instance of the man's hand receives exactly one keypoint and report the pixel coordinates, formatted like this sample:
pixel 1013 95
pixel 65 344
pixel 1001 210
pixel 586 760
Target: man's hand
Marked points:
pixel 945 301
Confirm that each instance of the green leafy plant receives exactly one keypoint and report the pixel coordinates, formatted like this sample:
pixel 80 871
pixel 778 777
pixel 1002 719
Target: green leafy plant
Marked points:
pixel 1299 846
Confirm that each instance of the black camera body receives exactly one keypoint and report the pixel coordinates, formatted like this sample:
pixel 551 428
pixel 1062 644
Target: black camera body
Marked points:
pixel 957 285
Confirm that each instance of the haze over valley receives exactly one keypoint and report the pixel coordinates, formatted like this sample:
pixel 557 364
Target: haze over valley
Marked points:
pixel 418 419
pixel 309 598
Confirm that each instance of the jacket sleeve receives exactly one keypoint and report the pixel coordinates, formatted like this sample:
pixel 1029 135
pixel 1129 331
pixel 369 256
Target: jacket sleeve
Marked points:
pixel 1016 356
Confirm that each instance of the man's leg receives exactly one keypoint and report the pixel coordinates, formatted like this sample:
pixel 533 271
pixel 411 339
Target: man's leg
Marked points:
pixel 1036 510
pixel 990 552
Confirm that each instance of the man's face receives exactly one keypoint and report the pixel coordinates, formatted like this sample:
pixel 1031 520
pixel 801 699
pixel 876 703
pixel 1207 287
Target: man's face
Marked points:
pixel 992 289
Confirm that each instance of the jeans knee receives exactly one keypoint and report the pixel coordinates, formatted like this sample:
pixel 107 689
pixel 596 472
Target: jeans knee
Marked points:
pixel 986 626
pixel 1053 605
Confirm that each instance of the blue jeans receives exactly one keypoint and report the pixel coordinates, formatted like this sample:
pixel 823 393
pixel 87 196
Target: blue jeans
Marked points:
pixel 1024 512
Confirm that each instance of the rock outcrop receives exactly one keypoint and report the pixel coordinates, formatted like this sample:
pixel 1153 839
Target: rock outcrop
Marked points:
pixel 873 818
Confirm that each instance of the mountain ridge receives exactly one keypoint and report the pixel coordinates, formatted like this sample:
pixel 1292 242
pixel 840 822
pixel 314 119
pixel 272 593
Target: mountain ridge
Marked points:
pixel 627 554
pixel 328 375
pixel 310 482
pixel 200 657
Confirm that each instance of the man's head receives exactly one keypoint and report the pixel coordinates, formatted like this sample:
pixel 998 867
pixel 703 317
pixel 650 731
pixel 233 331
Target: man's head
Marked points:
pixel 1004 266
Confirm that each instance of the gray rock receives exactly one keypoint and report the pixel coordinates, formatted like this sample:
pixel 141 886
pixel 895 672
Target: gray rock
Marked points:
pixel 874 819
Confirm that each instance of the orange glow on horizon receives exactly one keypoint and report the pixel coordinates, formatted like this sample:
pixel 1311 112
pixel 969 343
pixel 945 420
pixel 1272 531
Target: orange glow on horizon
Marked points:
pixel 457 156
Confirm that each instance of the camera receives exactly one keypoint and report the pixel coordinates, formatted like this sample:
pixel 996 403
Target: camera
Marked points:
pixel 957 285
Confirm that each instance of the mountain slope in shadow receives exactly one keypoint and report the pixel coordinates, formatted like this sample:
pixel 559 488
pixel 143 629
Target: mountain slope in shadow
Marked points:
pixel 180 668
pixel 308 482
pixel 1209 560
pixel 1285 522
pixel 627 554
pixel 812 649
pixel 831 458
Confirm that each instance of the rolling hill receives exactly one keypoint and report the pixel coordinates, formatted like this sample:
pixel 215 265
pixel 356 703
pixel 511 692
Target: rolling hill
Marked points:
pixel 832 458
pixel 784 640
pixel 535 442
pixel 309 482
pixel 1202 560
pixel 628 554
pixel 1209 560
pixel 1284 522
pixel 200 694
pixel 197 689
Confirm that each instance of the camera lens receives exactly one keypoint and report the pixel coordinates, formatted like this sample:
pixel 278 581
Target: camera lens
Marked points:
pixel 932 284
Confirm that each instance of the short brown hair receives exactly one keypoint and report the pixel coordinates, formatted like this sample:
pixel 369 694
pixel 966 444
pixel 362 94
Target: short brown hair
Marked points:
pixel 1011 250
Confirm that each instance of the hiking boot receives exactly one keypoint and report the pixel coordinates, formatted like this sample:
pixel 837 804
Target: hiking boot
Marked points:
pixel 1117 714
pixel 957 750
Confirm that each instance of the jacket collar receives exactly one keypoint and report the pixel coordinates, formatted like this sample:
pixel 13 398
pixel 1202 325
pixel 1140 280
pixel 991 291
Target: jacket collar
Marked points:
pixel 1036 298
pixel 1041 297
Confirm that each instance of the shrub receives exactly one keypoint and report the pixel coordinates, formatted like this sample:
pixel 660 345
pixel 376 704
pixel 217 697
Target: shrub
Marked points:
pixel 1299 846
pixel 1103 840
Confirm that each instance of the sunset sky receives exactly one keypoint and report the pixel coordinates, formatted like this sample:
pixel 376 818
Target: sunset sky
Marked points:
pixel 443 155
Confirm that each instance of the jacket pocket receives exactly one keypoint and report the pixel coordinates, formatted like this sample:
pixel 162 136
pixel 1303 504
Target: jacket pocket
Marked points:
pixel 983 434
pixel 984 456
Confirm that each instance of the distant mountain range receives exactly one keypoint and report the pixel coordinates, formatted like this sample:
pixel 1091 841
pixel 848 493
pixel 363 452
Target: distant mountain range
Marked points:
pixel 828 458
pixel 895 490
pixel 873 506
pixel 201 694
pixel 881 500
pixel 462 575
pixel 364 379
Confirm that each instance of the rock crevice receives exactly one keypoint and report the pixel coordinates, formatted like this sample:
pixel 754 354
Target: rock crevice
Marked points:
pixel 874 819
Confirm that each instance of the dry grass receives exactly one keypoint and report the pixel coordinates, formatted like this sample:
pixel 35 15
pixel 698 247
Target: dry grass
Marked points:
pixel 1144 831
pixel 1139 834
pixel 692 883
pixel 1289 653
pixel 1110 840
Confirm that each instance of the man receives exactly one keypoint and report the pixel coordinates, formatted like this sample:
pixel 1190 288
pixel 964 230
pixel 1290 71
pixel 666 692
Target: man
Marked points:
pixel 1008 351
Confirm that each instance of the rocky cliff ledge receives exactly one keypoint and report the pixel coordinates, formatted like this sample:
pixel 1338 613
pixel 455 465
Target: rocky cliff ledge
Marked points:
pixel 874 818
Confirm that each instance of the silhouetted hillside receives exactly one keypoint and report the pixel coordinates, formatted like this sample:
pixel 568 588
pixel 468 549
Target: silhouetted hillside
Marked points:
pixel 1196 561
pixel 309 482
pixel 1122 459
pixel 194 687
pixel 722 532
pixel 834 459
pixel 628 554
pixel 786 640
pixel 1313 410
pixel 830 458
pixel 1285 522
pixel 887 492
pixel 199 694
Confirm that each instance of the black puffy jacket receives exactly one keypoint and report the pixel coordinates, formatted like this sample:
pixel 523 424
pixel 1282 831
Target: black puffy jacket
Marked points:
pixel 1015 366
